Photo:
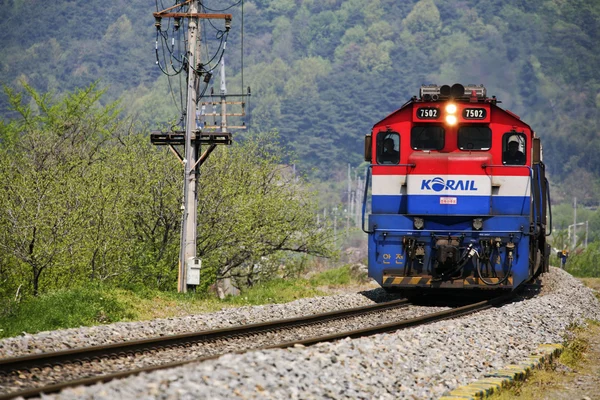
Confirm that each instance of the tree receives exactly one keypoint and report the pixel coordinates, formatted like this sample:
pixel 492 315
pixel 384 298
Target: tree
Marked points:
pixel 253 209
pixel 43 156
pixel 87 199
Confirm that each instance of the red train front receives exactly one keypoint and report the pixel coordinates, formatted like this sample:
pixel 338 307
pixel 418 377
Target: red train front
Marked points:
pixel 459 194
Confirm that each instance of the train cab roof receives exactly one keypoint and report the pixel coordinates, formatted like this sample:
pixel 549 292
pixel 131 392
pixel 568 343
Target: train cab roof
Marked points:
pixel 468 104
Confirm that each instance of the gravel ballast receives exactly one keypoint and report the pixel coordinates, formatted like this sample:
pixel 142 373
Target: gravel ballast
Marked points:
pixel 419 363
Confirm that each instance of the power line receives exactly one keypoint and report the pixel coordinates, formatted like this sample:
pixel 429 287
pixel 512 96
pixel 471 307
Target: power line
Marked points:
pixel 224 9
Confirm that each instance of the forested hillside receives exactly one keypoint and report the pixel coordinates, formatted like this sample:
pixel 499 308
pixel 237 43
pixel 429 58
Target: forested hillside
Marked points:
pixel 323 72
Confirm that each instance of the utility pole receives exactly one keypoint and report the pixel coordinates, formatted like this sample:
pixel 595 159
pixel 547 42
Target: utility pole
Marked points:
pixel 223 97
pixel 349 201
pixel 574 226
pixel 191 139
pixel 190 196
pixel 334 211
pixel 574 223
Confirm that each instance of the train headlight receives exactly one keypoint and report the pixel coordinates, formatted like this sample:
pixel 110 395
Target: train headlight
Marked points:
pixel 477 224
pixel 451 108
pixel 451 119
pixel 419 223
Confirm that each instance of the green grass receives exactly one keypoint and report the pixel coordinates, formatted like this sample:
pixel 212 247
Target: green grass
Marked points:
pixel 335 277
pixel 96 306
pixel 275 291
pixel 63 309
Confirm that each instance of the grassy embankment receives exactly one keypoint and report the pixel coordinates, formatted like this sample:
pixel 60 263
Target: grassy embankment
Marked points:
pixel 95 306
pixel 559 379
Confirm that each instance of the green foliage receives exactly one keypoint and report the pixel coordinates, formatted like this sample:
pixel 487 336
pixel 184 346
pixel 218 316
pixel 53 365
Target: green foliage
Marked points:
pixel 285 290
pixel 44 168
pixel 336 277
pixel 575 349
pixel 88 199
pixel 255 213
pixel 424 22
pixel 323 72
pixel 63 309
pixel 585 263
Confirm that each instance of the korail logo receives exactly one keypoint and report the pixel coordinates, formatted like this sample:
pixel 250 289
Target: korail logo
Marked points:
pixel 438 184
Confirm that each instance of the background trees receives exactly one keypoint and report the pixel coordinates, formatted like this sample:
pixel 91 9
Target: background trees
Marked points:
pixel 87 199
pixel 48 157
pixel 322 73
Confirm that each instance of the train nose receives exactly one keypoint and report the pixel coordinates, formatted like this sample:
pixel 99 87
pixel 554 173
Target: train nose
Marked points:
pixel 464 188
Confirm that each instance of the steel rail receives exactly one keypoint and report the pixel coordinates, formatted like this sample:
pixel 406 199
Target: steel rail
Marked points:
pixel 41 360
pixel 403 324
pixel 85 354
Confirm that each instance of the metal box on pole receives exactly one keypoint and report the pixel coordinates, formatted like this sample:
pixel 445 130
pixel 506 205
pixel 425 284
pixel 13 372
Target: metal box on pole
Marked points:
pixel 193 266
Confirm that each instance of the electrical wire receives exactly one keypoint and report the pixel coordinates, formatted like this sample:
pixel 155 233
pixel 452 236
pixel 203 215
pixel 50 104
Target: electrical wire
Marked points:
pixel 222 44
pixel 224 9
pixel 165 70
pixel 173 58
pixel 220 35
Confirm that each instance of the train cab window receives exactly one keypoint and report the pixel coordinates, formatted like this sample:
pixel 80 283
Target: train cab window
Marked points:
pixel 388 148
pixel 474 137
pixel 427 137
pixel 513 148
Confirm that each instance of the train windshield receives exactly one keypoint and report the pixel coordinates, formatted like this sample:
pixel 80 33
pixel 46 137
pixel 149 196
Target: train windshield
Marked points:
pixel 427 137
pixel 474 137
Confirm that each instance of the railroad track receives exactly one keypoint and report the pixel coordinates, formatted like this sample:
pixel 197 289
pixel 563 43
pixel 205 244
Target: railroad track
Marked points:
pixel 56 368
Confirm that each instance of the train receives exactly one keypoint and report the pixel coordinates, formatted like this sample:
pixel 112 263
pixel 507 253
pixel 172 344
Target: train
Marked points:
pixel 459 197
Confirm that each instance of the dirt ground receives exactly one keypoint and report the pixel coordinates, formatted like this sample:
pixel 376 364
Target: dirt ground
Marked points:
pixel 574 376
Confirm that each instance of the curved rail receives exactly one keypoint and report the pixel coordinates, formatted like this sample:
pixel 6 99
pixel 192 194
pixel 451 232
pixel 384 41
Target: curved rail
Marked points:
pixel 9 364
pixel 85 354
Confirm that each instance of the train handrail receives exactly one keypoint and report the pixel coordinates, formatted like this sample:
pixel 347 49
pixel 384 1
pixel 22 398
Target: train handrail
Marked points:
pixel 541 196
pixel 531 179
pixel 366 191
pixel 549 205
pixel 365 194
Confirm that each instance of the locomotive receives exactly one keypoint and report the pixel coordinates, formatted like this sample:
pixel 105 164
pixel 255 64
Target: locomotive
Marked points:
pixel 459 194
